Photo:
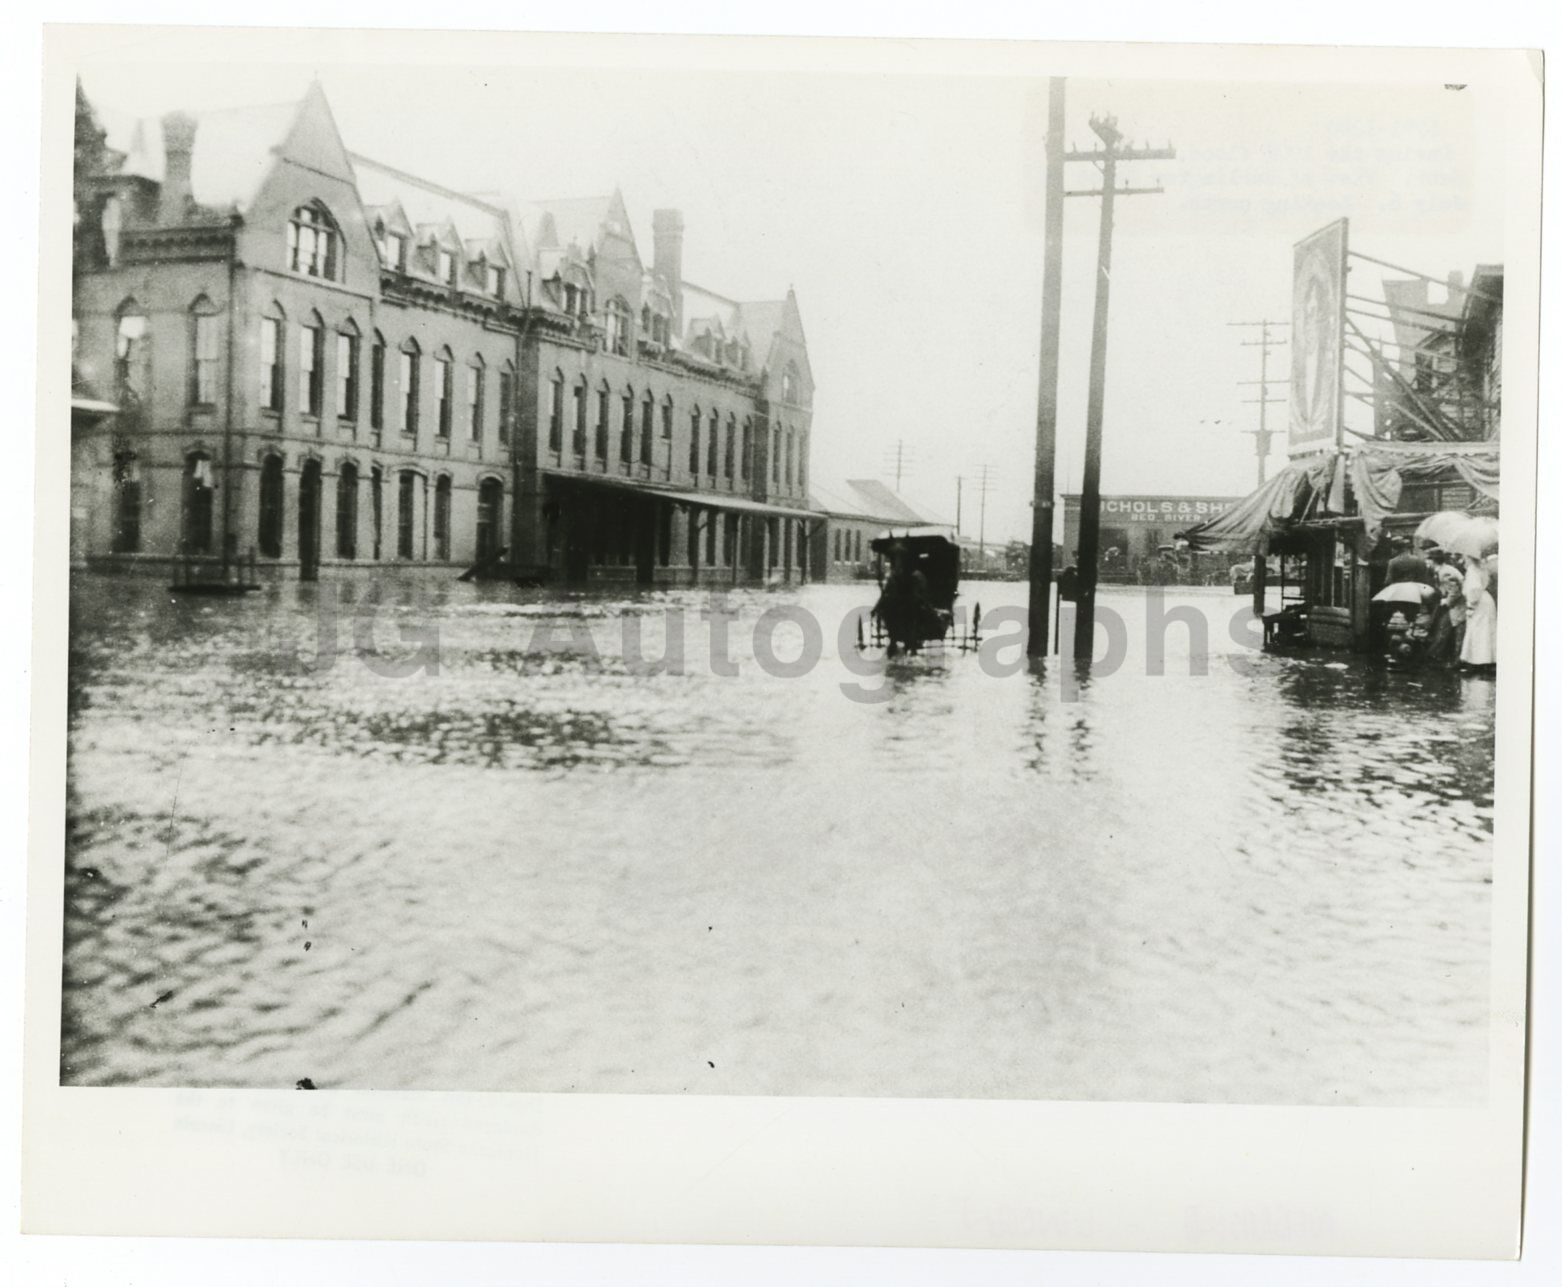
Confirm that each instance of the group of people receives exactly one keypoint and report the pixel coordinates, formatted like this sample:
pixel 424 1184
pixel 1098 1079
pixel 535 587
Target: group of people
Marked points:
pixel 1462 625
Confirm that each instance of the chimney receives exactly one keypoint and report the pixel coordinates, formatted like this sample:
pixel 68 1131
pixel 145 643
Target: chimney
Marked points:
pixel 667 258
pixel 173 205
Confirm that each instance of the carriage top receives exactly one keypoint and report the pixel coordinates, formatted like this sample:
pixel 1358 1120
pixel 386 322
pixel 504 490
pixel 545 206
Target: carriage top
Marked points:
pixel 931 551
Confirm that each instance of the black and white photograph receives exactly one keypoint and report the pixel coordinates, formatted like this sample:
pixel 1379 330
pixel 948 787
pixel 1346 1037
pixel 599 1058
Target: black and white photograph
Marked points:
pixel 608 573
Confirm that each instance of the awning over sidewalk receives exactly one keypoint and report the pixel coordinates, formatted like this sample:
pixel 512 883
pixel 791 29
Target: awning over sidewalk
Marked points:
pixel 681 496
pixel 1315 488
pixel 1280 501
pixel 1379 471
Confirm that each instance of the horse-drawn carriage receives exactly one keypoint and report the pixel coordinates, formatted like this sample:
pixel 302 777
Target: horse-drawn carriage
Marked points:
pixel 918 571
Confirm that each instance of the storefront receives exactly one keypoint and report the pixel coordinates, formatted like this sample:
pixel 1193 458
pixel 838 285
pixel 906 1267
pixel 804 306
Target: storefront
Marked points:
pixel 1138 538
pixel 1329 521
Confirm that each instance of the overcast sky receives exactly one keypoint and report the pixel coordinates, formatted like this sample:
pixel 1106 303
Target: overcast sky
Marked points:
pixel 907 213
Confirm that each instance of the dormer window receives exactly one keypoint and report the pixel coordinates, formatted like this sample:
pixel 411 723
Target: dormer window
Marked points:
pixel 789 383
pixel 396 251
pixel 312 242
pixel 494 280
pixel 447 267
pixel 618 327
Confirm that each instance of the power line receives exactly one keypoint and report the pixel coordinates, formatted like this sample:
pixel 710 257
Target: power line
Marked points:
pixel 1263 343
pixel 898 460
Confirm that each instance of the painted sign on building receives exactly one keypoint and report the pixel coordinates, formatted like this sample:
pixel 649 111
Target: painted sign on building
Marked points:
pixel 1318 340
pixel 1163 509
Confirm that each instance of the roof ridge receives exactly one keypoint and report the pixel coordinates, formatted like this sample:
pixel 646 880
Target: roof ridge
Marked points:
pixel 440 188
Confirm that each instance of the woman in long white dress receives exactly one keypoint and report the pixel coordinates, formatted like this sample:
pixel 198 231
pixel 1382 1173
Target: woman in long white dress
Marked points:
pixel 1480 623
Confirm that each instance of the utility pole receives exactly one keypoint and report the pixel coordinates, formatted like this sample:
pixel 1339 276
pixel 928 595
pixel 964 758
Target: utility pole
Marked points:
pixel 1044 482
pixel 959 491
pixel 1263 343
pixel 1108 156
pixel 983 485
pixel 898 460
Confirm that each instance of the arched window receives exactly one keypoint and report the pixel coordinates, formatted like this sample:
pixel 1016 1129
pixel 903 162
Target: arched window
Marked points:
pixel 490 519
pixel 347 511
pixel 744 460
pixel 729 461
pixel 667 427
pixel 444 391
pixel 199 486
pixel 347 371
pixel 406 513
pixel 604 418
pixel 581 395
pixel 618 326
pixel 269 537
pixel 626 433
pixel 313 242
pixel 694 442
pixel 556 412
pixel 203 352
pixel 311 364
pixel 411 376
pixel 475 374
pixel 711 447
pixel 506 401
pixel 647 429
pixel 131 345
pixel 272 325
pixel 377 508
pixel 789 383
pixel 127 503
pixel 645 318
pixel 377 383
pixel 442 519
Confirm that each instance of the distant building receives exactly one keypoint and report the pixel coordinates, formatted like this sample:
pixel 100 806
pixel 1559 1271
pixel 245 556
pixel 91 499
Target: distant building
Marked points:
pixel 289 350
pixel 1138 531
pixel 1446 364
pixel 856 511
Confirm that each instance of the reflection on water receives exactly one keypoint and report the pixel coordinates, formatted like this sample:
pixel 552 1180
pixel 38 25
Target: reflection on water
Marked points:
pixel 536 865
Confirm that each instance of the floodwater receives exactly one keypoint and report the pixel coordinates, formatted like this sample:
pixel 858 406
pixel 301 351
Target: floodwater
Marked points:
pixel 540 868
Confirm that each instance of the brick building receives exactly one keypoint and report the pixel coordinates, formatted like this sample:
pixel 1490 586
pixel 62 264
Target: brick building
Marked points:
pixel 288 351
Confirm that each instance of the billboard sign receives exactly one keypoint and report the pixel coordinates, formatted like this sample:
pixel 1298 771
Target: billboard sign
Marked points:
pixel 1317 400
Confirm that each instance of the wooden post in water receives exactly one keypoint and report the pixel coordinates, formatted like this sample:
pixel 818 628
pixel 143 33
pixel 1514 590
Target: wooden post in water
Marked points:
pixel 1108 155
pixel 1044 483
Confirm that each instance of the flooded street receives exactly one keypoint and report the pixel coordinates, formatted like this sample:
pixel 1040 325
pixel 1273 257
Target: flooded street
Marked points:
pixel 542 869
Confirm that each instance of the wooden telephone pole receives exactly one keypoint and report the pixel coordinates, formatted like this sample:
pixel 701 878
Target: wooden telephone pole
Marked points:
pixel 1043 485
pixel 1263 434
pixel 1108 156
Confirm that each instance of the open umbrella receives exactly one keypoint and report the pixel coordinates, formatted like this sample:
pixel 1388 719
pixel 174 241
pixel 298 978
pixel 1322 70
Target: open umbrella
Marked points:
pixel 1404 592
pixel 1459 532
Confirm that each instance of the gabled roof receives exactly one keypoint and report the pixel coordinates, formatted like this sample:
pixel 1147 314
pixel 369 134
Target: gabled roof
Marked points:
pixel 884 501
pixel 867 498
pixel 758 320
pixel 235 148
pixel 762 319
pixel 580 221
pixel 433 211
